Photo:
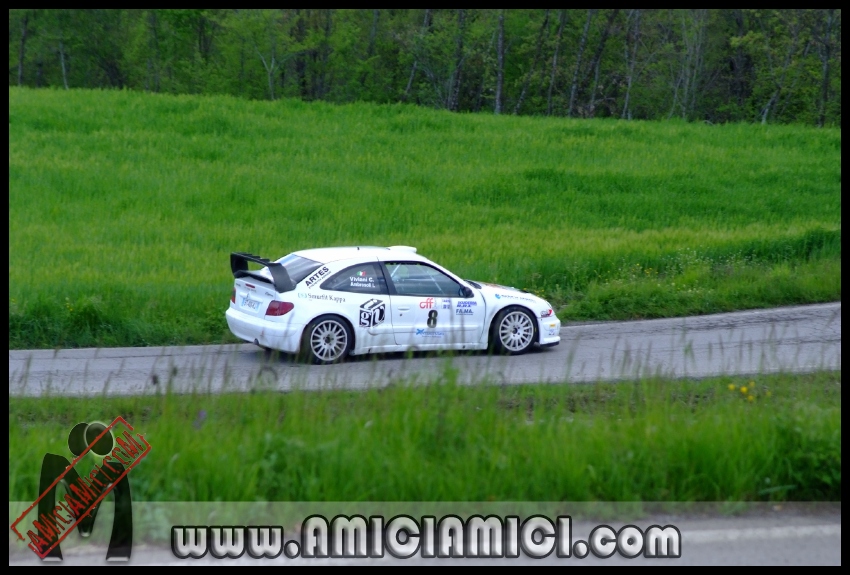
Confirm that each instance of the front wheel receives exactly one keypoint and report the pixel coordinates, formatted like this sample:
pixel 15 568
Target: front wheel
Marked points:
pixel 513 331
pixel 327 339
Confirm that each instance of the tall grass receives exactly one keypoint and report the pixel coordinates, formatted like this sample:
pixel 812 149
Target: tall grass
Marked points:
pixel 124 207
pixel 765 438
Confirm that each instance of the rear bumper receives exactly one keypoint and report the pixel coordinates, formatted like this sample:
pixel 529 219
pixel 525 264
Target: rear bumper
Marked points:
pixel 284 337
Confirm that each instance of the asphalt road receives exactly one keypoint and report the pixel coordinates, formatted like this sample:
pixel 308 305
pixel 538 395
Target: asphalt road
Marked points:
pixel 792 339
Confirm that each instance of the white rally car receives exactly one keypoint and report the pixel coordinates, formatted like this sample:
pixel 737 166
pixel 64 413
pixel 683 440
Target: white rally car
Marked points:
pixel 324 304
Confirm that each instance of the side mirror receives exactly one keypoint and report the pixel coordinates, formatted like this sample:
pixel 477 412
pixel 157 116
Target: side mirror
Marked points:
pixel 465 291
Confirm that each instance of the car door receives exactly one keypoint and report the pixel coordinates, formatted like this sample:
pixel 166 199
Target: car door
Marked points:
pixel 362 289
pixel 428 308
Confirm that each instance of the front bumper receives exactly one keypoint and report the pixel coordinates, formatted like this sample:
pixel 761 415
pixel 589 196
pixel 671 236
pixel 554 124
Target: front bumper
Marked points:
pixel 550 331
pixel 285 337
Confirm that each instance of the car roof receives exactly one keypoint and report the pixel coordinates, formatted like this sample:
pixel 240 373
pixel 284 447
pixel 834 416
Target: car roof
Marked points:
pixel 327 255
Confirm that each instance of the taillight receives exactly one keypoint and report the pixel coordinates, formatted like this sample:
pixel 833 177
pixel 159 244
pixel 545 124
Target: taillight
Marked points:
pixel 279 308
pixel 233 295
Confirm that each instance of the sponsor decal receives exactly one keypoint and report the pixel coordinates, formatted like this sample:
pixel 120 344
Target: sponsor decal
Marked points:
pixel 553 332
pixel 322 297
pixel 317 275
pixel 428 333
pixel 372 313
pixel 446 304
pixel 508 296
pixel 426 304
pixel 467 304
pixel 361 280
pixel 464 311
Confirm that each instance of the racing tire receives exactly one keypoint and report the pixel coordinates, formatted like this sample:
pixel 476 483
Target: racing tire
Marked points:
pixel 513 332
pixel 327 339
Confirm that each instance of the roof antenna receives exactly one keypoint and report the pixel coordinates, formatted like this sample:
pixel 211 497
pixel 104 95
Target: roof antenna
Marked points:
pixel 358 248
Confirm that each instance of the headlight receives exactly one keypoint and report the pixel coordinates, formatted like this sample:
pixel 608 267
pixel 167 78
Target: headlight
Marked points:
pixel 548 313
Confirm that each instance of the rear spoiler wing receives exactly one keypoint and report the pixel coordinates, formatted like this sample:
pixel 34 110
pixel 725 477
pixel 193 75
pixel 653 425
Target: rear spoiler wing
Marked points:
pixel 280 278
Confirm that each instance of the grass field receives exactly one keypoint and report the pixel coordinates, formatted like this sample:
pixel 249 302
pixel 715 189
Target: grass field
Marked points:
pixel 124 207
pixel 766 438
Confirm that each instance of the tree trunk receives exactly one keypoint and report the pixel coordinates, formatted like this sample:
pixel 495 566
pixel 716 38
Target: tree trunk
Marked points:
pixel 62 62
pixel 738 61
pixel 825 54
pixel 500 63
pixel 322 88
pixel 242 66
pixel 543 28
pixel 154 40
pixel 581 46
pixel 425 24
pixel 454 85
pixel 301 57
pixel 22 51
pixel 373 33
pixel 562 20
pixel 780 81
pixel 597 58
pixel 370 49
pixel 270 66
pixel 632 35
pixel 790 91
pixel 701 18
pixel 479 96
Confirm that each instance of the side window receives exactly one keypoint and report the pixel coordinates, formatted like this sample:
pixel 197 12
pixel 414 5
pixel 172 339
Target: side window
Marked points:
pixel 362 278
pixel 418 279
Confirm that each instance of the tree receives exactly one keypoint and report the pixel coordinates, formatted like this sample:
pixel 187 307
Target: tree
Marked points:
pixel 574 86
pixel 562 19
pixel 544 28
pixel 823 35
pixel 630 47
pixel 22 50
pixel 500 62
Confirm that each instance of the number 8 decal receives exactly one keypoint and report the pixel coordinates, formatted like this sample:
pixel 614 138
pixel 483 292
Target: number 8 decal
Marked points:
pixel 432 318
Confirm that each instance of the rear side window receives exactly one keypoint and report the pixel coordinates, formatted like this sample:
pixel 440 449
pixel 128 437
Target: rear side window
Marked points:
pixel 299 268
pixel 362 278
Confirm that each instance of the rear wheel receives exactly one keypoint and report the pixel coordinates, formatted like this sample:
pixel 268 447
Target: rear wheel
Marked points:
pixel 513 332
pixel 327 339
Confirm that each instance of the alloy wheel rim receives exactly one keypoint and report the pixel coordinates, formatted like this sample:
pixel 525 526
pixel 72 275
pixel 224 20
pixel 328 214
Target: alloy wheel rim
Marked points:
pixel 516 331
pixel 328 340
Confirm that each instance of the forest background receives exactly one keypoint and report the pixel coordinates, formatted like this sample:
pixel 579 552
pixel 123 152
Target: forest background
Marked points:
pixel 730 65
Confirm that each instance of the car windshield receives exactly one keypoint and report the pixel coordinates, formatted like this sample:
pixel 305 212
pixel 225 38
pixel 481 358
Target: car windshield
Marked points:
pixel 298 268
